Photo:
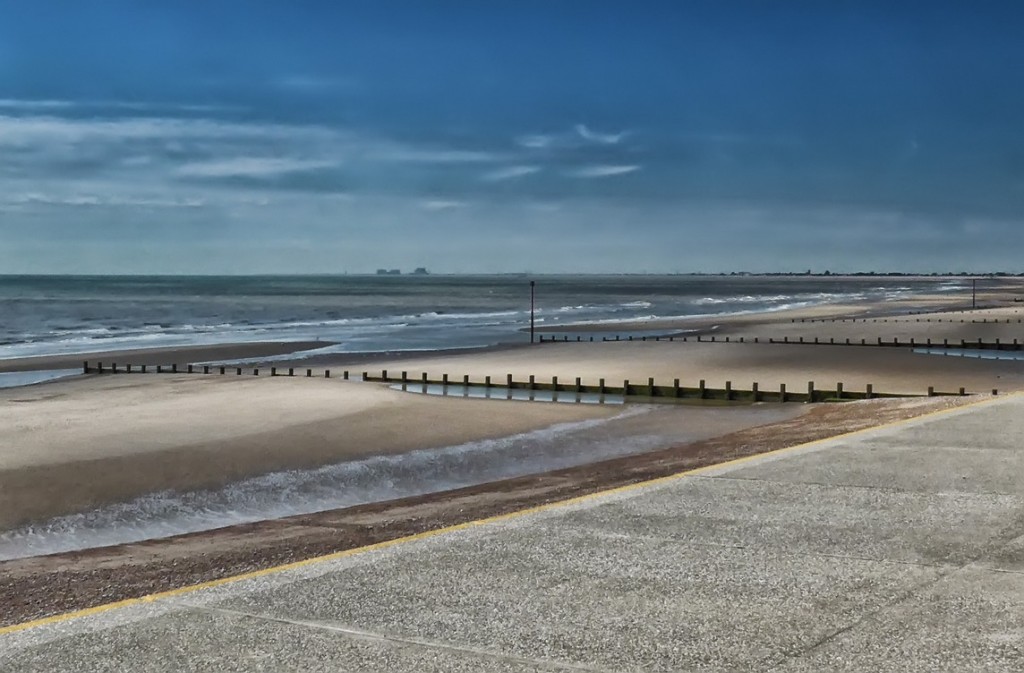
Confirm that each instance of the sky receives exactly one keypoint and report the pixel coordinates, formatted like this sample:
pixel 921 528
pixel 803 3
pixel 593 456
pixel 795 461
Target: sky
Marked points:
pixel 542 136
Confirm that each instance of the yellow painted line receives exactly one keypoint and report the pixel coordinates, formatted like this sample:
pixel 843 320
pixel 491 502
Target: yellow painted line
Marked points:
pixel 55 619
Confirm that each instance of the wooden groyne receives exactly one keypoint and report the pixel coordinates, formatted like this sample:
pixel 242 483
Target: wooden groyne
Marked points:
pixel 895 342
pixel 648 390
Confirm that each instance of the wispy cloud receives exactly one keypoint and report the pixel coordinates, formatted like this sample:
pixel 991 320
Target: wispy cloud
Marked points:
pixel 313 83
pixel 535 141
pixel 24 104
pixel 601 138
pixel 509 173
pixel 601 171
pixel 109 200
pixel 579 136
pixel 410 154
pixel 252 167
pixel 442 204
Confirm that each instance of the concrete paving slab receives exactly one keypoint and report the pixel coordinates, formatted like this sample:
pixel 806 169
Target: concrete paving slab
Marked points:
pixel 605 599
pixel 201 641
pixel 923 469
pixel 795 518
pixel 970 621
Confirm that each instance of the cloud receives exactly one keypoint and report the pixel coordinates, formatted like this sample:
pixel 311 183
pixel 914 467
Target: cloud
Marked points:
pixel 535 141
pixel 601 138
pixel 601 171
pixel 580 136
pixel 313 83
pixel 509 173
pixel 409 154
pixel 108 200
pixel 251 167
pixel 440 204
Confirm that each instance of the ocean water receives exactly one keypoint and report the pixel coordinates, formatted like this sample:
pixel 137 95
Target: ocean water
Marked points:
pixel 47 315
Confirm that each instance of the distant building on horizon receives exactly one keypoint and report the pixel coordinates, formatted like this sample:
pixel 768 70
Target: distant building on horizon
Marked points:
pixel 389 272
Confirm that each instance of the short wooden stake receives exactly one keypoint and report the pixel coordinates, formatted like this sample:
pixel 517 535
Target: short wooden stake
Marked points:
pixel 869 391
pixel 753 391
pixel 782 392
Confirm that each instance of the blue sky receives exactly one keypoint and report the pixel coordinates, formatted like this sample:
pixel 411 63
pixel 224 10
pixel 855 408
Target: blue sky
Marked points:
pixel 287 137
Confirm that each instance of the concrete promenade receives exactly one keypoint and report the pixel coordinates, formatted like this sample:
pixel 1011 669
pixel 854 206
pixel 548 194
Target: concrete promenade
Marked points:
pixel 895 549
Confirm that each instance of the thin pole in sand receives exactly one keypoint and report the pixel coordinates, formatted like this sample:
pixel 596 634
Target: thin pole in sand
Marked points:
pixel 533 285
pixel 974 293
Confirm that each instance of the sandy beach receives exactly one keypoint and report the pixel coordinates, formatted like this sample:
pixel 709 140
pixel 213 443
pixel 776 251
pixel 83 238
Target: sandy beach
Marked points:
pixel 81 443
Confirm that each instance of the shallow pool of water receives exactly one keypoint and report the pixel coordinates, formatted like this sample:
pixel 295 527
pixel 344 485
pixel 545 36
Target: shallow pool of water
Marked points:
pixel 503 393
pixel 15 379
pixel 978 353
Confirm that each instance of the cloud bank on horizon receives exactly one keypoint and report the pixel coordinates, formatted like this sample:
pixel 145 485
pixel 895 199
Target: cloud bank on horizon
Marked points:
pixel 486 137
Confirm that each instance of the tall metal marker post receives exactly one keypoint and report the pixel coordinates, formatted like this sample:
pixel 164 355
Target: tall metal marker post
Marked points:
pixel 532 285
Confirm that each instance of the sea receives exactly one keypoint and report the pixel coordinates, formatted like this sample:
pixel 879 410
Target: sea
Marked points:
pixel 63 315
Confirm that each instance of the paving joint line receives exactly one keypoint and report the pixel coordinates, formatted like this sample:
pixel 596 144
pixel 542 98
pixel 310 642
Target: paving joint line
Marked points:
pixel 398 640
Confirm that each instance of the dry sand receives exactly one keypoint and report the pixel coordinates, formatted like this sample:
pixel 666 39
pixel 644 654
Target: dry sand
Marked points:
pixel 73 445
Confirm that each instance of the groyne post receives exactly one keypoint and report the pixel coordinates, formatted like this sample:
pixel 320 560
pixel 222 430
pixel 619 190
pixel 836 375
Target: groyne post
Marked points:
pixel 782 392
pixel 810 391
